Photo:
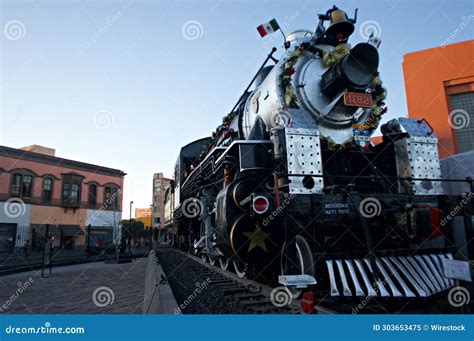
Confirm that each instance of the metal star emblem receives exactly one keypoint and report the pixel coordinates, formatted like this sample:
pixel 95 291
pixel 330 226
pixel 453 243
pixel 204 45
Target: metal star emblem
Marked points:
pixel 257 238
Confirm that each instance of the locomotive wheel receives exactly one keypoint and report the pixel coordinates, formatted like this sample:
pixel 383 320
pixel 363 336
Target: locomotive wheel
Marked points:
pixel 304 262
pixel 239 269
pixel 224 263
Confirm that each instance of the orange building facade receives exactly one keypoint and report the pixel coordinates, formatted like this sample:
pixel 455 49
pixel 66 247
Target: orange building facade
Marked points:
pixel 439 86
pixel 72 198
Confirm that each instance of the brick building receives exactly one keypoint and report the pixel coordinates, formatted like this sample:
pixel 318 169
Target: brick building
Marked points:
pixel 39 189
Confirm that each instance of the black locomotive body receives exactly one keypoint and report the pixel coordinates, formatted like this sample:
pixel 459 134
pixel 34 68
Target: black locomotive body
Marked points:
pixel 291 187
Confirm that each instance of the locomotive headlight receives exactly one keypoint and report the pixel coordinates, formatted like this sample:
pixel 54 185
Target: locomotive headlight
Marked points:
pixel 353 72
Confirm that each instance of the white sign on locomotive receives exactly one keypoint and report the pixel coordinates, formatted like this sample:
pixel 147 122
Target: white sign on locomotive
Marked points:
pixel 290 186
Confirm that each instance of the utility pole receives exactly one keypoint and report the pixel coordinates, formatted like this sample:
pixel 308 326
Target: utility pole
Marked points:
pixel 88 239
pixel 115 231
pixel 129 228
pixel 45 245
pixel 151 227
pixel 51 254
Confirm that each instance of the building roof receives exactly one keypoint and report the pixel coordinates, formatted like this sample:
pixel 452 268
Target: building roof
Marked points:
pixel 57 161
pixel 156 176
pixel 39 149
pixel 460 44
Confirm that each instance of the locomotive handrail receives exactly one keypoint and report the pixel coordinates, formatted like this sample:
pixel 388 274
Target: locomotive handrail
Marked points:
pixel 407 178
pixel 243 142
pixel 195 170
pixel 467 180
pixel 269 56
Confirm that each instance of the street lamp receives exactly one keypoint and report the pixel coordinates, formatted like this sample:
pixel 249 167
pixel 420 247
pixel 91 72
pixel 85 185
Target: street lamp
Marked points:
pixel 129 227
pixel 151 227
pixel 151 214
pixel 151 222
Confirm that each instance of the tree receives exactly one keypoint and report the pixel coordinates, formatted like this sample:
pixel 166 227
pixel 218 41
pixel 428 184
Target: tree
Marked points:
pixel 132 230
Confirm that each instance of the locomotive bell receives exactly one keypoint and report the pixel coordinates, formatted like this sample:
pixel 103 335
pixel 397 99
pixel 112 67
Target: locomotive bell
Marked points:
pixel 340 26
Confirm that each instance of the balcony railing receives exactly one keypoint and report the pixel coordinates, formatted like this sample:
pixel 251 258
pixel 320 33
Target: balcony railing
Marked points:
pixel 71 202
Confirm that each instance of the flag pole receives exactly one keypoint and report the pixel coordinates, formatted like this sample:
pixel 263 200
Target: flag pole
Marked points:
pixel 284 38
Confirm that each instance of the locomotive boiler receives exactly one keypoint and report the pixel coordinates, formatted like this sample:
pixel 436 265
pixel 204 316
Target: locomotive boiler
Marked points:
pixel 291 187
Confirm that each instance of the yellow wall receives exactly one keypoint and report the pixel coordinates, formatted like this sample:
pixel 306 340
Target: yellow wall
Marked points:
pixel 145 220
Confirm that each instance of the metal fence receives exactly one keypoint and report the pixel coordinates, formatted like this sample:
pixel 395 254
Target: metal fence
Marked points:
pixel 42 245
pixel 29 246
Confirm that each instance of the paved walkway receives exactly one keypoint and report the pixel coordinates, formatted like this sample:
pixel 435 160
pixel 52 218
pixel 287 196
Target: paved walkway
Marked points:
pixel 92 288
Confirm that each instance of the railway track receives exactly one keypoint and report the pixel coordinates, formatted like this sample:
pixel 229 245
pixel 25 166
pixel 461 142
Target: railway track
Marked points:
pixel 224 293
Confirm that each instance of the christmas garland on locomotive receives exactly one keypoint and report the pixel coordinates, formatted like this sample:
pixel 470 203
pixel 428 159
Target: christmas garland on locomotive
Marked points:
pixel 290 185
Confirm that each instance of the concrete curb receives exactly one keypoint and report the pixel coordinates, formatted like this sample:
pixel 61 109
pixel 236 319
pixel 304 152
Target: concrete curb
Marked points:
pixel 159 298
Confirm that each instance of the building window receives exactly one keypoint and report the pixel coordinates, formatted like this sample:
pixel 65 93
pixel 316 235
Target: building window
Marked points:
pixel 92 195
pixel 66 190
pixel 21 185
pixel 47 189
pixel 74 192
pixel 27 185
pixel 111 197
pixel 464 105
pixel 157 209
pixel 16 185
pixel 71 192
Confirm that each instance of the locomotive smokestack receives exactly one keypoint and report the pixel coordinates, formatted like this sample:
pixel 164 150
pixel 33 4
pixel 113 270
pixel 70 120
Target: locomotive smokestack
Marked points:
pixel 353 72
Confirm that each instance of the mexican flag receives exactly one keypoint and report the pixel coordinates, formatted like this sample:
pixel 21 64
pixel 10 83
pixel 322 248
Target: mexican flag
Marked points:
pixel 268 27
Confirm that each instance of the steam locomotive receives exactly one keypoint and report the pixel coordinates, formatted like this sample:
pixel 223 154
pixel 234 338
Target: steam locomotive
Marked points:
pixel 290 185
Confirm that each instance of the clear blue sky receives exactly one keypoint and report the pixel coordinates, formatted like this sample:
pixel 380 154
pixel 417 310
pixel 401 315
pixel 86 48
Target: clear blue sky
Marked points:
pixel 160 90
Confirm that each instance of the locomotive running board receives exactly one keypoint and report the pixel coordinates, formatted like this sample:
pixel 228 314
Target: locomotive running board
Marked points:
pixel 399 276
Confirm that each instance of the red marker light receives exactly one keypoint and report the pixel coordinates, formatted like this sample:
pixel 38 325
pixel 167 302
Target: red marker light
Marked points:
pixel 260 204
